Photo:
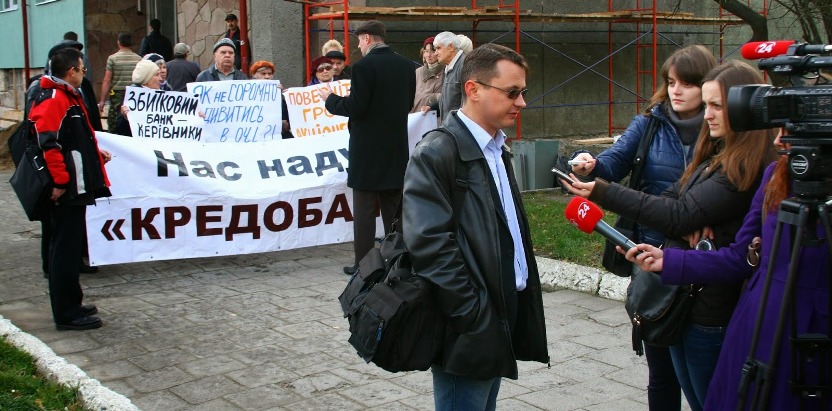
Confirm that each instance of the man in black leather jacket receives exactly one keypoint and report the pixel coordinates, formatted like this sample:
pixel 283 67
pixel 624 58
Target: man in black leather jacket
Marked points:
pixel 475 250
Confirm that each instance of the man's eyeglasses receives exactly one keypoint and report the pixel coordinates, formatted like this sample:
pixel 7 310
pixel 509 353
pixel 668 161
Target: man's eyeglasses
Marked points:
pixel 81 69
pixel 512 94
pixel 321 69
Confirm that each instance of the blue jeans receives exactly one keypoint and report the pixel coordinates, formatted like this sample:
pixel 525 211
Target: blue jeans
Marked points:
pixel 457 393
pixel 695 360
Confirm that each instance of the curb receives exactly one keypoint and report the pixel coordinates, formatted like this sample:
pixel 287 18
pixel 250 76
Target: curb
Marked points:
pixel 93 395
pixel 558 275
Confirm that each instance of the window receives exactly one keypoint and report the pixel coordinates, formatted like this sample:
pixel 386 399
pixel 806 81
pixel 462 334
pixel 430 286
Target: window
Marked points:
pixel 8 5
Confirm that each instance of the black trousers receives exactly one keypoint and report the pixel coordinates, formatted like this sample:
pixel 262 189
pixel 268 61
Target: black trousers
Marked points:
pixel 365 206
pixel 66 248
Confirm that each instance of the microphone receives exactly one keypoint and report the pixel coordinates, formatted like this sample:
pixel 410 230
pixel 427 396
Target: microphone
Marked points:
pixel 587 216
pixel 763 49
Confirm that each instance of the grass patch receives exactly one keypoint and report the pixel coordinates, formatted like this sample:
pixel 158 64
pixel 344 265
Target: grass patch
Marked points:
pixel 23 389
pixel 554 237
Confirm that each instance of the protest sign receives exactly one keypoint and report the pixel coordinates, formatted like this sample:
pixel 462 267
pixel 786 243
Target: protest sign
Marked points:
pixel 162 114
pixel 180 199
pixel 417 125
pixel 307 114
pixel 240 111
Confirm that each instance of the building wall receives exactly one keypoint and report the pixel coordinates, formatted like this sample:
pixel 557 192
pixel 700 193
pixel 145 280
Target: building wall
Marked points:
pixel 47 24
pixel 201 23
pixel 105 20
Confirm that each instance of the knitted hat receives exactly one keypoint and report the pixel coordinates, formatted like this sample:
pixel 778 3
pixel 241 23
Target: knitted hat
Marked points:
pixel 313 66
pixel 154 57
pixel 427 41
pixel 260 64
pixel 225 41
pixel 335 54
pixel 181 49
pixel 144 71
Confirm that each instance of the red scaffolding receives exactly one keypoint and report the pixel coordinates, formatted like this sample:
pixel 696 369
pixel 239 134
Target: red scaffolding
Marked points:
pixel 644 16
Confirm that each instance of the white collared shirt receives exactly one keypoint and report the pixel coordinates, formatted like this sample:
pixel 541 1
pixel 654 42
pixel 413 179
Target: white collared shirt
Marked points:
pixel 491 147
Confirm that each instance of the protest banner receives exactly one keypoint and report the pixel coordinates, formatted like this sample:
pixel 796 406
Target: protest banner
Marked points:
pixel 307 114
pixel 417 125
pixel 240 111
pixel 180 199
pixel 162 114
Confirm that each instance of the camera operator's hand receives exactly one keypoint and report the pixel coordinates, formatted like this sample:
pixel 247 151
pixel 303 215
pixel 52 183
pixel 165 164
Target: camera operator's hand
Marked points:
pixel 694 237
pixel 586 166
pixel 645 256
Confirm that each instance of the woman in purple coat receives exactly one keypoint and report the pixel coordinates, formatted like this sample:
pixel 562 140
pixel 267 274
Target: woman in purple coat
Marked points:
pixel 730 264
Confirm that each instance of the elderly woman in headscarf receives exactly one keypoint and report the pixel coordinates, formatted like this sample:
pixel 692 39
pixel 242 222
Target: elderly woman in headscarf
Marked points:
pixel 147 75
pixel 163 69
pixel 429 79
pixel 264 70
pixel 320 71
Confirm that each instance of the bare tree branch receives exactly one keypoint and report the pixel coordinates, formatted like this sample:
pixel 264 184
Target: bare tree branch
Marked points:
pixel 757 22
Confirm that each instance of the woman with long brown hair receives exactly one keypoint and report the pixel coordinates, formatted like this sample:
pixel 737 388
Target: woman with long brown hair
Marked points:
pixel 673 119
pixel 712 196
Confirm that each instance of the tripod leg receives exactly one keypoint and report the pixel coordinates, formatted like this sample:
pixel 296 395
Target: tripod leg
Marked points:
pixel 750 369
pixel 786 303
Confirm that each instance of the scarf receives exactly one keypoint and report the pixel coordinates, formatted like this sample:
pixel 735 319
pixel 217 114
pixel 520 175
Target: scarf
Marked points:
pixel 431 71
pixel 689 128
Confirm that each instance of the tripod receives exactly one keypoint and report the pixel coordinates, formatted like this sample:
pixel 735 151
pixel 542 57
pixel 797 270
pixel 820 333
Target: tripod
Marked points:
pixel 802 214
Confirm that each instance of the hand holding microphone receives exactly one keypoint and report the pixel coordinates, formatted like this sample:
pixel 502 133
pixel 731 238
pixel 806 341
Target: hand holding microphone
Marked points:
pixel 587 216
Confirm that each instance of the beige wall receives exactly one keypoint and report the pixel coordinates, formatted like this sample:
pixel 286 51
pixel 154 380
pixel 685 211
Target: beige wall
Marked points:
pixel 201 23
pixel 105 19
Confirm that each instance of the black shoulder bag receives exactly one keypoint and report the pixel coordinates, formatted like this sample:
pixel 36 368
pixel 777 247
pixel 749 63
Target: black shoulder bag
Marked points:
pixel 612 260
pixel 394 322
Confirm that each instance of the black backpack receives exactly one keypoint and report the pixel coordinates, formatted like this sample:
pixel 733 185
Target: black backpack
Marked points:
pixel 21 136
pixel 394 322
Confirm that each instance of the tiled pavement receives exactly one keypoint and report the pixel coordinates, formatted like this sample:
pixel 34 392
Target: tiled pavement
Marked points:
pixel 265 332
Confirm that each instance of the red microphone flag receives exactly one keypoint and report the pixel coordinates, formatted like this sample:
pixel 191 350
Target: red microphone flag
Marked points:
pixel 583 214
pixel 764 49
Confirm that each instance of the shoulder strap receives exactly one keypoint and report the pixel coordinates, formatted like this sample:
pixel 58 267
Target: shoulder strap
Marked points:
pixel 460 178
pixel 460 181
pixel 641 152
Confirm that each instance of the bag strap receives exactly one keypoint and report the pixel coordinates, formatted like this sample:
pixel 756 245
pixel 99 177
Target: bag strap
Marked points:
pixel 641 152
pixel 460 180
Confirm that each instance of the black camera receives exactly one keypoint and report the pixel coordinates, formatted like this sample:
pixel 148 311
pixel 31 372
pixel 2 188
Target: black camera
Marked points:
pixel 805 111
pixel 801 110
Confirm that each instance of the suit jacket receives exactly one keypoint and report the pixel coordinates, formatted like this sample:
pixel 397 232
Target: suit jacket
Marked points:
pixel 382 92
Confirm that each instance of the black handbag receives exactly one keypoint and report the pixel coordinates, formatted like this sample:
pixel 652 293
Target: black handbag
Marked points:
pixel 658 311
pixel 32 183
pixel 612 260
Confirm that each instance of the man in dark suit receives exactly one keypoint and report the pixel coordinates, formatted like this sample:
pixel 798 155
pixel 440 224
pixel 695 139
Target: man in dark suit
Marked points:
pixel 382 91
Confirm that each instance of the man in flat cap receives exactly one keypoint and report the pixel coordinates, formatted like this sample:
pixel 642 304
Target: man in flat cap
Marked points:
pixel 181 71
pixel 340 70
pixel 223 67
pixel 382 91
pixel 233 33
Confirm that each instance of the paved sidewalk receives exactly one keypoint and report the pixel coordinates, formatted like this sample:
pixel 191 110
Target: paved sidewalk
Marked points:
pixel 265 332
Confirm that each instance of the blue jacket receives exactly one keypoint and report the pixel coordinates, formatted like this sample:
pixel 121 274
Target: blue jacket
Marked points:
pixel 665 161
